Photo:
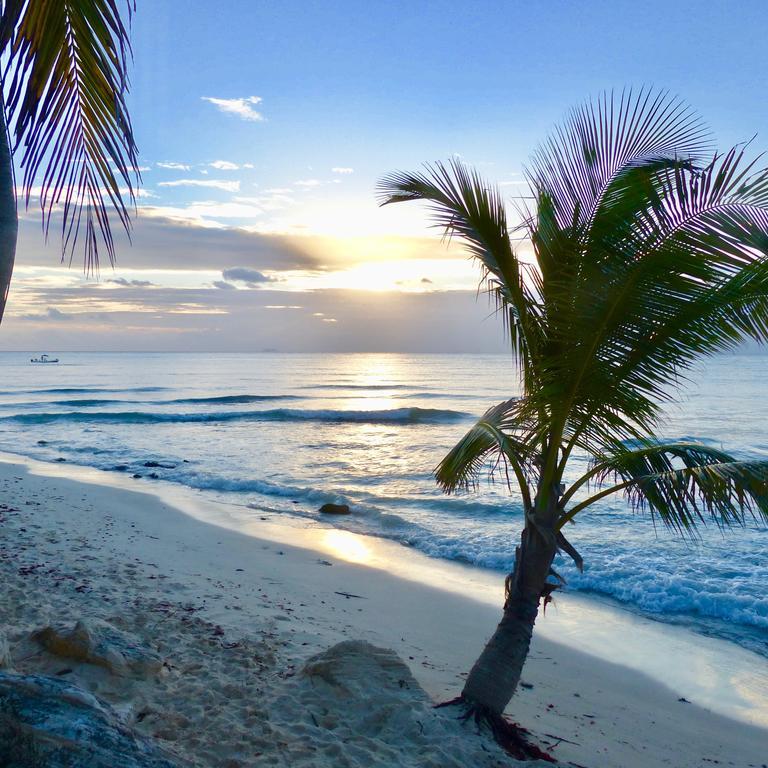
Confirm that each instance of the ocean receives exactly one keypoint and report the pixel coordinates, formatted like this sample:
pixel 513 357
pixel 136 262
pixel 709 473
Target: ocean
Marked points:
pixel 285 433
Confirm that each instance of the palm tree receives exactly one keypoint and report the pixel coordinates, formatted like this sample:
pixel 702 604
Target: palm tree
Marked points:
pixel 62 108
pixel 650 252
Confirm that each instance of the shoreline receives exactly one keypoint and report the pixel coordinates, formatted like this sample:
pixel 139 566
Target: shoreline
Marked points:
pixel 434 615
pixel 589 622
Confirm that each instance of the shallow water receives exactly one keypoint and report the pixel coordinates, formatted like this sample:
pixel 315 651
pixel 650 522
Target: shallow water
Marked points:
pixel 290 432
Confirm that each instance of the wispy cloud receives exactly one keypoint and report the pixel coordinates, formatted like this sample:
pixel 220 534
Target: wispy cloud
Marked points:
pixel 251 277
pixel 242 107
pixel 125 283
pixel 307 183
pixel 53 314
pixel 196 309
pixel 224 165
pixel 267 202
pixel 174 166
pixel 227 165
pixel 342 171
pixel 226 186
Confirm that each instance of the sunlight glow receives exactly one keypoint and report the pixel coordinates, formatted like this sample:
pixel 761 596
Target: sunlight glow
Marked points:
pixel 409 276
pixel 347 546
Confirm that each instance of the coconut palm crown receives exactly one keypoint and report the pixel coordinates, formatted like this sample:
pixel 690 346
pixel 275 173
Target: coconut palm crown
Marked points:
pixel 651 252
pixel 64 115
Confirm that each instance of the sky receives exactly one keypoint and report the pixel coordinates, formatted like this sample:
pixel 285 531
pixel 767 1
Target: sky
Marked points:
pixel 264 127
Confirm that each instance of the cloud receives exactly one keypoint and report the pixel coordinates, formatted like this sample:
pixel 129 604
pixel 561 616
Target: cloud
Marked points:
pixel 228 165
pixel 209 213
pixel 267 202
pixel 343 171
pixel 52 314
pixel 251 277
pixel 174 166
pixel 207 318
pixel 224 165
pixel 163 241
pixel 242 107
pixel 426 280
pixel 223 285
pixel 308 183
pixel 225 186
pixel 130 283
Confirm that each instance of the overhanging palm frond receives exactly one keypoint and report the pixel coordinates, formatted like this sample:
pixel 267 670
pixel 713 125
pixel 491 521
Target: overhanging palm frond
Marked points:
pixel 683 484
pixel 500 437
pixel 65 89
pixel 465 205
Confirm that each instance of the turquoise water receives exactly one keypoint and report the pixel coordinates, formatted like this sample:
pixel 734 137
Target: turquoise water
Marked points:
pixel 288 433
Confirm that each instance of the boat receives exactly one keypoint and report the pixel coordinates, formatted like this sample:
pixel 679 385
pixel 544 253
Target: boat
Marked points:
pixel 44 359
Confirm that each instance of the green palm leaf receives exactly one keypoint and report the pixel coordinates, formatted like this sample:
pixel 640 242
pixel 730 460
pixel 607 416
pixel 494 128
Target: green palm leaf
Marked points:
pixel 682 483
pixel 466 206
pixel 692 282
pixel 65 92
pixel 500 437
pixel 603 140
pixel 648 257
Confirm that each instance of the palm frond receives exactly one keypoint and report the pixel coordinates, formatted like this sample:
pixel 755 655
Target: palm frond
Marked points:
pixel 599 141
pixel 685 275
pixel 9 224
pixel 65 92
pixel 501 438
pixel 466 206
pixel 681 483
pixel 650 254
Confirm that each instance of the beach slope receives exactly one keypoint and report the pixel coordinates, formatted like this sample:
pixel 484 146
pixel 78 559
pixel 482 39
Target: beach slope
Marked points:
pixel 247 629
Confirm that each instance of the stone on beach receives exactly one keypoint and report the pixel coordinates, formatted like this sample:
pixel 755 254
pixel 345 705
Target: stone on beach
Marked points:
pixel 45 721
pixel 99 643
pixel 335 509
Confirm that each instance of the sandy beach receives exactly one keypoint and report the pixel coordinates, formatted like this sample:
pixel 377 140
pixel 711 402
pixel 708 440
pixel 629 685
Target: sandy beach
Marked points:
pixel 236 615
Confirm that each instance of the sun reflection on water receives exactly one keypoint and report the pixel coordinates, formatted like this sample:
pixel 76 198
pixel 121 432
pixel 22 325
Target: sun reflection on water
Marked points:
pixel 347 546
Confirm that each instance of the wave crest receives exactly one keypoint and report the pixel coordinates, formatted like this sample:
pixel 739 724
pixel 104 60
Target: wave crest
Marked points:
pixel 394 416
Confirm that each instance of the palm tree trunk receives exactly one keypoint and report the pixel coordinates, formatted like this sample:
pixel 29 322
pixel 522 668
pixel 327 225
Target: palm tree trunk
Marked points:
pixel 9 222
pixel 494 677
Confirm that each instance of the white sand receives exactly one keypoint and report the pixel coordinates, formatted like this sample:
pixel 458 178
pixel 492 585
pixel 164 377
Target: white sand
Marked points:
pixel 236 618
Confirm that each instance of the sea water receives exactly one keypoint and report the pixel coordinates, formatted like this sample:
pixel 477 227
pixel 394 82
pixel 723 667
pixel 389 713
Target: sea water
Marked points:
pixel 287 433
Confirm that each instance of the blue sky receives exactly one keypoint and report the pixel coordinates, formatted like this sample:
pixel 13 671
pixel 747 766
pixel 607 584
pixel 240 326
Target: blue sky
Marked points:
pixel 276 120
